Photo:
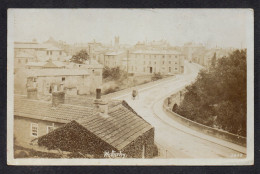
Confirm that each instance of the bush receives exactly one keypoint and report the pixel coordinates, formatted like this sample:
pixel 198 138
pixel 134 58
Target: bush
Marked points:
pixel 157 76
pixel 113 73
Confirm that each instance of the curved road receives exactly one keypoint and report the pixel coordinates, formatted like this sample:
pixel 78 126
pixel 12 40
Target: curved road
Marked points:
pixel 175 140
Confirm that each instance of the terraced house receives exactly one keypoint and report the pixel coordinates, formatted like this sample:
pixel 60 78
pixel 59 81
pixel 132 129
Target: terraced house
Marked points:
pixel 155 61
pixel 86 126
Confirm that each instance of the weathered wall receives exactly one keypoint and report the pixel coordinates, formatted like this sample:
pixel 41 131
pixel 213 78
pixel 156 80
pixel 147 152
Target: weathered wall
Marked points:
pixel 22 128
pixel 135 148
pixel 205 129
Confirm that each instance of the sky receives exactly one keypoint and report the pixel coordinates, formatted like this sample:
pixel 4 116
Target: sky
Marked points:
pixel 221 27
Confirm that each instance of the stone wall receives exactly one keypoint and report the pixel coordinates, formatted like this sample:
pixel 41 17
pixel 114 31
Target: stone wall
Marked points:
pixel 22 128
pixel 135 148
pixel 204 129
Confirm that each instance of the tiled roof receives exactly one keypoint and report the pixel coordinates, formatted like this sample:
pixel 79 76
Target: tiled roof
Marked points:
pixel 43 110
pixel 119 128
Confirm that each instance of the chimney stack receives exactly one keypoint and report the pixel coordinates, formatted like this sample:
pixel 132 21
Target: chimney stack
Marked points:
pixel 58 96
pixel 32 92
pixel 101 106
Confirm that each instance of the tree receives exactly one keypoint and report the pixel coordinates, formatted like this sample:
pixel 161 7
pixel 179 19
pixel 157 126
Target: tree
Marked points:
pixel 213 60
pixel 218 97
pixel 80 58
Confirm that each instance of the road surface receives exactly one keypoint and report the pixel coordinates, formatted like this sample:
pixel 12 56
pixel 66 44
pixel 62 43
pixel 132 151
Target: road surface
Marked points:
pixel 175 140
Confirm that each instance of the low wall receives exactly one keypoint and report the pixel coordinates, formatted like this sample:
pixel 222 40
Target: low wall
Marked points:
pixel 139 87
pixel 205 129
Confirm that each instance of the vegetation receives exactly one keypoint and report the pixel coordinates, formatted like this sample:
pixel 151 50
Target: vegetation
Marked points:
pixel 114 73
pixel 157 76
pixel 80 57
pixel 218 97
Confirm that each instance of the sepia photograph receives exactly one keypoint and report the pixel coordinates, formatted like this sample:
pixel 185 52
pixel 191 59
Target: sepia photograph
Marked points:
pixel 130 87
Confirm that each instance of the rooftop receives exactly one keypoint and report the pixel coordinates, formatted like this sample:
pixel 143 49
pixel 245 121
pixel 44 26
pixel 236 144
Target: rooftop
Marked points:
pixel 56 72
pixel 119 128
pixel 155 52
pixel 43 110
pixel 114 53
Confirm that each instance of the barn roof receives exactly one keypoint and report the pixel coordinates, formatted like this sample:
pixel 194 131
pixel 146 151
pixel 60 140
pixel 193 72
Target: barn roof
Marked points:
pixel 119 128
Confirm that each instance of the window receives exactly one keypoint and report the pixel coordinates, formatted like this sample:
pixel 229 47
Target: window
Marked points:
pixel 63 79
pixel 169 62
pixel 34 129
pixel 170 69
pixel 175 62
pixel 176 69
pixel 26 60
pixel 50 128
pixel 155 63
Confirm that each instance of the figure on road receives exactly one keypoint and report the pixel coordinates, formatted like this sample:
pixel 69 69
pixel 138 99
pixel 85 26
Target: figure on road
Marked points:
pixel 134 94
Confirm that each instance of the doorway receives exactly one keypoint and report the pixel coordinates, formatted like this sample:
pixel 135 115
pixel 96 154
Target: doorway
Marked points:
pixel 151 69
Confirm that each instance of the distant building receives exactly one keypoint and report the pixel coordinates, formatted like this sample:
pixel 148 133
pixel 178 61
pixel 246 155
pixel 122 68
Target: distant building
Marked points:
pixel 115 58
pixel 116 42
pixel 190 48
pixel 77 80
pixel 155 61
pixel 25 52
pixel 97 128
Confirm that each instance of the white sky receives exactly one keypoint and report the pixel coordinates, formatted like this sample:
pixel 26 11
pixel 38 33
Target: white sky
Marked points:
pixel 222 27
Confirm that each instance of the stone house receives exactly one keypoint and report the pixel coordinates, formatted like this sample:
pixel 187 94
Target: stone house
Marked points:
pixel 37 52
pixel 147 62
pixel 96 129
pixel 114 59
pixel 81 81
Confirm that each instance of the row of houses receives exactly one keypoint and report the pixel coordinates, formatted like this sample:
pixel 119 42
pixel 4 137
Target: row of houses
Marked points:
pixel 145 62
pixel 91 127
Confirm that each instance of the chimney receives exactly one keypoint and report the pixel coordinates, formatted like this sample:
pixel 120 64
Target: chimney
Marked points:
pixel 58 95
pixel 32 92
pixel 101 106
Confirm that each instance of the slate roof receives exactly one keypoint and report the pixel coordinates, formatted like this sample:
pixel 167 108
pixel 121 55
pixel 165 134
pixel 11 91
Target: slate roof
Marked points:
pixel 118 128
pixel 43 110
pixel 161 52
pixel 56 72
